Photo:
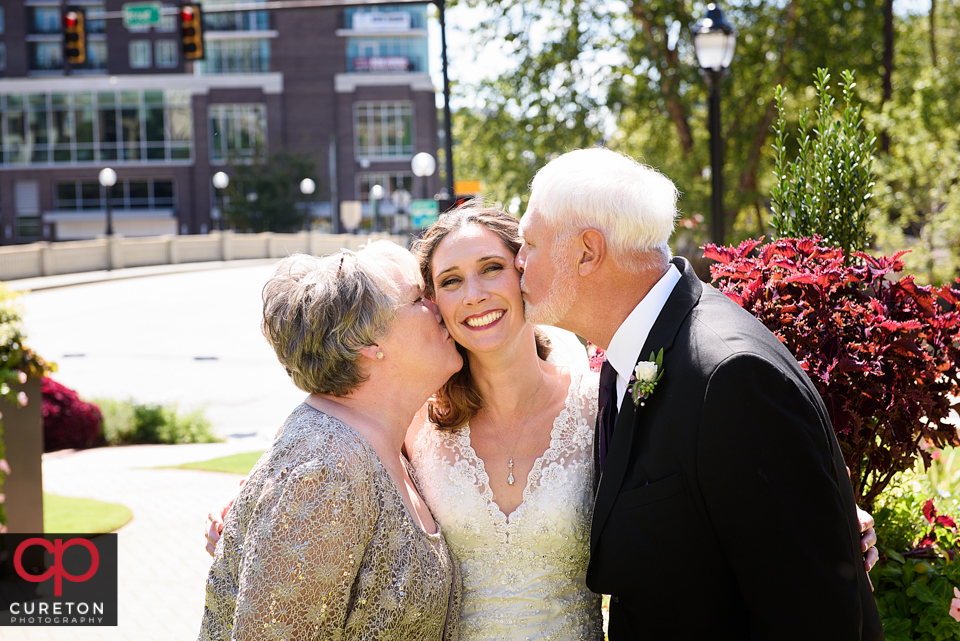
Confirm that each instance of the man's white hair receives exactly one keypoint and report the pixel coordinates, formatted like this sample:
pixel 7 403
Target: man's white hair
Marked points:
pixel 634 206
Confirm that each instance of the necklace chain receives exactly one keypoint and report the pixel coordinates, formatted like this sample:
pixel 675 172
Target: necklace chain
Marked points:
pixel 510 479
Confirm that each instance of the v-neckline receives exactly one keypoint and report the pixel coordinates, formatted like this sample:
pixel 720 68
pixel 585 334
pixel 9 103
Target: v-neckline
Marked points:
pixel 486 491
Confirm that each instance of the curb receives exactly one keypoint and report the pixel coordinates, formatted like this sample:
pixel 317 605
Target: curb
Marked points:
pixel 85 278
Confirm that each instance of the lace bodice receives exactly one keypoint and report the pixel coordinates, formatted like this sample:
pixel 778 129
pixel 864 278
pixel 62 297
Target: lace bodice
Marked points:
pixel 523 575
pixel 319 545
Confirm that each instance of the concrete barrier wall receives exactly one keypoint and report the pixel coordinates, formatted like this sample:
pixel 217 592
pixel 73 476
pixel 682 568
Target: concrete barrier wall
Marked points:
pixel 49 259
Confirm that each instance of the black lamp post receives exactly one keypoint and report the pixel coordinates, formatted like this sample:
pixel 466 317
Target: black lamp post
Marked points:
pixel 714 41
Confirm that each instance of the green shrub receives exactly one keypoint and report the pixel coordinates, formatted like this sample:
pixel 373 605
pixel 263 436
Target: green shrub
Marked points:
pixel 119 423
pixel 825 191
pixel 128 422
pixel 914 597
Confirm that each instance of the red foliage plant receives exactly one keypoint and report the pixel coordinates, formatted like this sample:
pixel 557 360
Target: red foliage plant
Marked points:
pixel 68 422
pixel 882 350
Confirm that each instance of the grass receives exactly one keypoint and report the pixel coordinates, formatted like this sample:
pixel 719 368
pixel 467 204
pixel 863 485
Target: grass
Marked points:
pixel 233 464
pixel 67 514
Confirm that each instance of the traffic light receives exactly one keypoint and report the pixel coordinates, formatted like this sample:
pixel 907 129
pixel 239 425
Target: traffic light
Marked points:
pixel 74 36
pixel 191 32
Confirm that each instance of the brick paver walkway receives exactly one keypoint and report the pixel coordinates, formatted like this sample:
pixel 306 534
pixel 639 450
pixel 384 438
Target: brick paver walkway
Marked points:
pixel 162 563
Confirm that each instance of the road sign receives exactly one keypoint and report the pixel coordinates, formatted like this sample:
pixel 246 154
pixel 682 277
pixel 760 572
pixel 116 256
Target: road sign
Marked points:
pixel 141 14
pixel 424 213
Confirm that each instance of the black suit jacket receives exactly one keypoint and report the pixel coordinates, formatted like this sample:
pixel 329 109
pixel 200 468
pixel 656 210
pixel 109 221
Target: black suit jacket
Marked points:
pixel 725 509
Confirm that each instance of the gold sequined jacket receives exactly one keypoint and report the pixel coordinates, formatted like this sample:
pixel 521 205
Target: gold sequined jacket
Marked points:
pixel 319 545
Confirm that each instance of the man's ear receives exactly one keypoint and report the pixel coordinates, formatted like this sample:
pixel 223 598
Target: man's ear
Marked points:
pixel 592 248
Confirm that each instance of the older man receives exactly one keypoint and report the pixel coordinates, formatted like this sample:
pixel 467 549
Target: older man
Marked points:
pixel 720 461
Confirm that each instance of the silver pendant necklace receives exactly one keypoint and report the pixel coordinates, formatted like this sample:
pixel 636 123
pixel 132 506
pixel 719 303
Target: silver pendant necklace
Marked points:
pixel 510 478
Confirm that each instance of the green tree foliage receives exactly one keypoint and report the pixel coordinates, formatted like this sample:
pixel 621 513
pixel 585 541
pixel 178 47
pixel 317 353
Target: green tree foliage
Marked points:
pixel 918 191
pixel 264 194
pixel 625 75
pixel 826 189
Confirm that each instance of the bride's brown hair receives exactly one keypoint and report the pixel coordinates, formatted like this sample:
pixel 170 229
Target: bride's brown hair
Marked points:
pixel 458 401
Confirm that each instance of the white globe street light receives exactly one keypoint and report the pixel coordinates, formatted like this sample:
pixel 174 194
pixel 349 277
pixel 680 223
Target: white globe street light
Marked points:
pixel 108 178
pixel 423 165
pixel 376 193
pixel 307 187
pixel 220 182
pixel 714 41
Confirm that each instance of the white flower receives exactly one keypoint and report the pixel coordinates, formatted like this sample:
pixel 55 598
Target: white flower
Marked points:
pixel 646 371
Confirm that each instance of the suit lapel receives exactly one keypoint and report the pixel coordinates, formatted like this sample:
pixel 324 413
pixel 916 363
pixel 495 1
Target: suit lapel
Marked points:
pixel 682 300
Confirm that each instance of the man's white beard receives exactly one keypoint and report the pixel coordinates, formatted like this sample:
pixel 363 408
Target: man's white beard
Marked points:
pixel 558 301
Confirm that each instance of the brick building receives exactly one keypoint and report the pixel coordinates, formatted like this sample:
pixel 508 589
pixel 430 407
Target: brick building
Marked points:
pixel 349 87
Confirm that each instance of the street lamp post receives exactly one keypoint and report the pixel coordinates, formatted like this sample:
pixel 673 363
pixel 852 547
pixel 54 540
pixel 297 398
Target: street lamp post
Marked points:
pixel 423 166
pixel 714 41
pixel 220 182
pixel 108 178
pixel 376 193
pixel 307 187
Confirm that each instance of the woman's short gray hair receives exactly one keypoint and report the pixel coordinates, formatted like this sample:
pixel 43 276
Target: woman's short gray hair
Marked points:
pixel 318 313
pixel 633 205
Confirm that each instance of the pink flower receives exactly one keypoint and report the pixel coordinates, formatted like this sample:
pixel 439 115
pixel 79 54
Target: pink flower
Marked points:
pixel 4 466
pixel 22 399
pixel 955 605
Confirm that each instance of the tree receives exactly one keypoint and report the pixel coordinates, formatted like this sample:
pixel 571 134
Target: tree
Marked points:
pixel 918 191
pixel 591 72
pixel 264 193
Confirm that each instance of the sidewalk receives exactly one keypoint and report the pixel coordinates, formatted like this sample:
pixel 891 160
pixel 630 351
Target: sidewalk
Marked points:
pixel 162 563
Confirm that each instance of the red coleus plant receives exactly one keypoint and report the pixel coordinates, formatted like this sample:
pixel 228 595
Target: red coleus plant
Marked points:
pixel 942 527
pixel 882 350
pixel 68 422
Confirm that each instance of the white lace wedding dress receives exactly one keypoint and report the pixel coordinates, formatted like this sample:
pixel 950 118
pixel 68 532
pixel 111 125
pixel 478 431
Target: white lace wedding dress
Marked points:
pixel 523 575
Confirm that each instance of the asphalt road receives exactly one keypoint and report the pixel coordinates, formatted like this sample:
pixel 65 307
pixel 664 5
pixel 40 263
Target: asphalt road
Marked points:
pixel 188 338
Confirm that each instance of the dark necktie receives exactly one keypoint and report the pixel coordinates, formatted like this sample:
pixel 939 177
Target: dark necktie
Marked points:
pixel 607 417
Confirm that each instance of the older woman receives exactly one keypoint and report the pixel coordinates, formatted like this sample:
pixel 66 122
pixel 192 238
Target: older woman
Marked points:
pixel 329 537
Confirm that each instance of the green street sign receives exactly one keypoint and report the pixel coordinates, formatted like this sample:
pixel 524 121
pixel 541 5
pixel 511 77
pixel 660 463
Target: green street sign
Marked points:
pixel 141 14
pixel 423 213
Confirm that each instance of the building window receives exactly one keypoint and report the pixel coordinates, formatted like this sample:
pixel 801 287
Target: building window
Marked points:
pixel 1 20
pixel 27 203
pixel 87 127
pixel 43 20
pixel 390 182
pixel 383 129
pixel 381 55
pixel 386 18
pixel 248 55
pixel 3 56
pixel 45 56
pixel 237 132
pixel 140 54
pixel 126 194
pixel 167 56
pixel 235 21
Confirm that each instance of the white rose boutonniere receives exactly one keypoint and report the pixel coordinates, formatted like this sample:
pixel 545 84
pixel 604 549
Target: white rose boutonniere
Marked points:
pixel 645 378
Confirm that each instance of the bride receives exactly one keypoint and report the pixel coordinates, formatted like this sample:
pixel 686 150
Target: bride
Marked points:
pixel 504 453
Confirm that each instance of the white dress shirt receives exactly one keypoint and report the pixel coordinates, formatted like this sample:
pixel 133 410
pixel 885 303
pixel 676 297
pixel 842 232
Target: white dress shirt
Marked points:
pixel 624 349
